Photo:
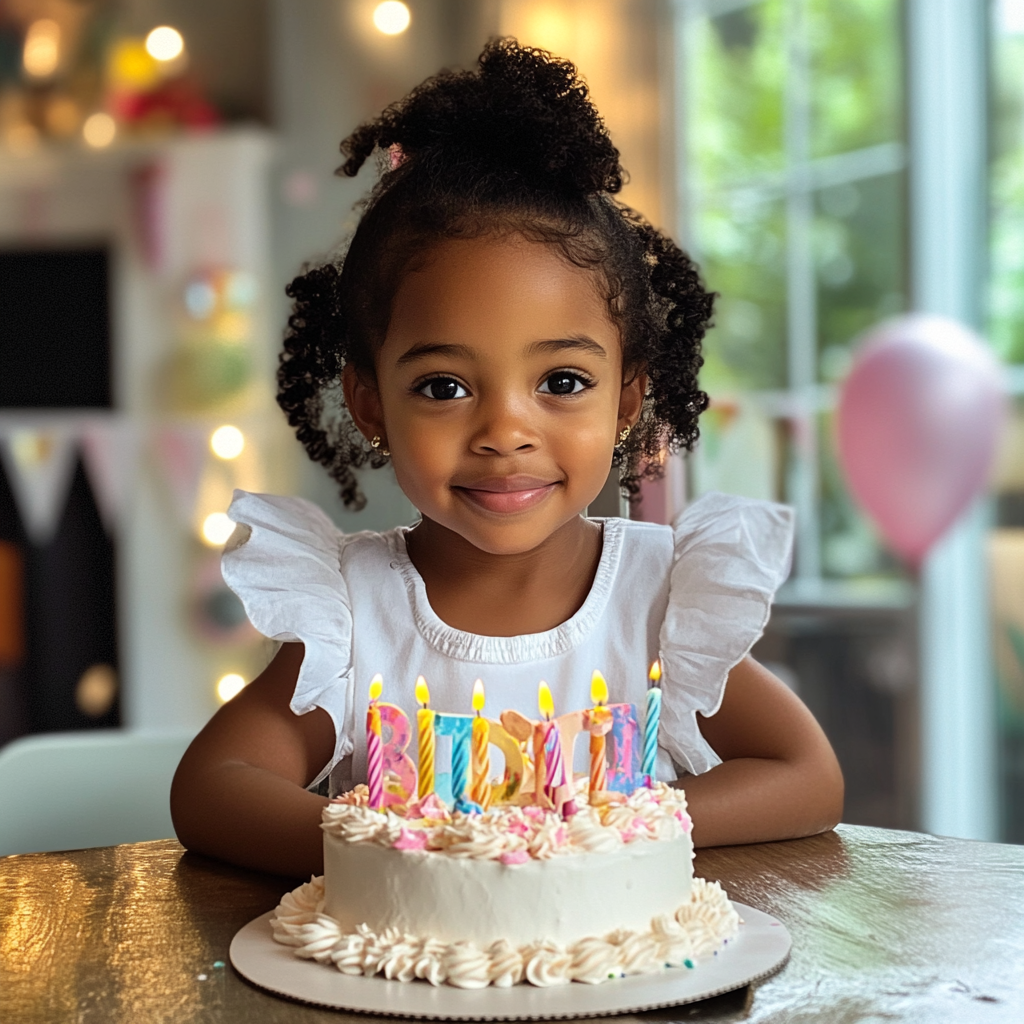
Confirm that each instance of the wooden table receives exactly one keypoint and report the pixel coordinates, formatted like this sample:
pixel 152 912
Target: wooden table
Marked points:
pixel 886 926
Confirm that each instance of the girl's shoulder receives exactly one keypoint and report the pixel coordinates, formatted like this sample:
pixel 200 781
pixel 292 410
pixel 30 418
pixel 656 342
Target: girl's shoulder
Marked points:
pixel 730 556
pixel 285 561
pixel 285 536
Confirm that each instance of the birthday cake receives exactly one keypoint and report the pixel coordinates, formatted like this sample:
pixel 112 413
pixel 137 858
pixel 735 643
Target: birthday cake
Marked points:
pixel 512 894
pixel 538 877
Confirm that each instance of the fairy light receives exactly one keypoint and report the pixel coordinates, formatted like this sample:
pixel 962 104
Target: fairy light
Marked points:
pixel 227 442
pixel 99 130
pixel 41 53
pixel 164 43
pixel 391 17
pixel 228 686
pixel 217 528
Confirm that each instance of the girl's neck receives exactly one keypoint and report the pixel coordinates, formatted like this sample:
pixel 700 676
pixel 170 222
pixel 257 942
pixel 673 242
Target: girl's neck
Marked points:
pixel 506 595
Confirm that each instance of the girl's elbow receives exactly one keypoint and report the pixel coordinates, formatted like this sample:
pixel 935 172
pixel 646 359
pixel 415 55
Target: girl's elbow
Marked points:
pixel 831 792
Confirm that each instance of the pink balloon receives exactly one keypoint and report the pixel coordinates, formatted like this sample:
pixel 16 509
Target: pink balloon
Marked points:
pixel 918 423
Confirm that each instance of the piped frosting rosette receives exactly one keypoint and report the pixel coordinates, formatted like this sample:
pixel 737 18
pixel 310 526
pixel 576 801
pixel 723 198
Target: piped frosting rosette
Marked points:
pixel 696 929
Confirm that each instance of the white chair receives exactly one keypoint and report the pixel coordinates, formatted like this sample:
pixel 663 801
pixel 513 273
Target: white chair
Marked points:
pixel 73 790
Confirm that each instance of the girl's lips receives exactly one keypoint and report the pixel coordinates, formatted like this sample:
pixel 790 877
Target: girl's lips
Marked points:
pixel 506 501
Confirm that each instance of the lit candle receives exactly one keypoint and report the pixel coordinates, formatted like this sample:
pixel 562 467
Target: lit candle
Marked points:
pixel 540 736
pixel 375 746
pixel 425 733
pixel 556 787
pixel 481 786
pixel 599 721
pixel 647 767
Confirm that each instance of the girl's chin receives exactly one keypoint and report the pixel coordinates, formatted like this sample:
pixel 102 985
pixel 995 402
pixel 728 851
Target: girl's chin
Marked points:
pixel 516 535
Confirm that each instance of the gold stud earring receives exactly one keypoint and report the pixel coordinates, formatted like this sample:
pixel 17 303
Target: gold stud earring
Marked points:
pixel 375 443
pixel 623 434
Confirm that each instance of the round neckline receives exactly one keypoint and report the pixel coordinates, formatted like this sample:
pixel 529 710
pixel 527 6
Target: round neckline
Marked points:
pixel 504 650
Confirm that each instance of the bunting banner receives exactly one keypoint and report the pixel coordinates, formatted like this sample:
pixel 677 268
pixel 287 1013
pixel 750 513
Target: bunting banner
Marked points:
pixel 39 460
pixel 110 452
pixel 182 451
pixel 39 452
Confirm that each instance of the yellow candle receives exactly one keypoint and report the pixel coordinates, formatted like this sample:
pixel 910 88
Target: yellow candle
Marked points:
pixel 425 733
pixel 599 722
pixel 480 790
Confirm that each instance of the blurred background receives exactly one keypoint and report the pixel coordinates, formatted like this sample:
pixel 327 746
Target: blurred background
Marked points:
pixel 166 166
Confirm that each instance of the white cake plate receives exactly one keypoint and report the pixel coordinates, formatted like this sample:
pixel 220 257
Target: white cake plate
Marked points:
pixel 761 947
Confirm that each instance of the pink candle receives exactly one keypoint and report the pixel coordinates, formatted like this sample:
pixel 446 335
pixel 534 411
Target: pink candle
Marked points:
pixel 374 747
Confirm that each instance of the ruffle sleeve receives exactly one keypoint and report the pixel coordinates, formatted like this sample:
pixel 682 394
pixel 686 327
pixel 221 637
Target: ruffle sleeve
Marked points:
pixel 283 561
pixel 731 555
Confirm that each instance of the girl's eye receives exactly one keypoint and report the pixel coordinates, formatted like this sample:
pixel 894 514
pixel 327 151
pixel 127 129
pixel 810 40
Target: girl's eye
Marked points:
pixel 443 389
pixel 564 383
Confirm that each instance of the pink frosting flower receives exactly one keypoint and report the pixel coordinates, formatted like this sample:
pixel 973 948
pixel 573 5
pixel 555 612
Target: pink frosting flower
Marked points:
pixel 411 839
pixel 514 857
pixel 684 820
pixel 431 806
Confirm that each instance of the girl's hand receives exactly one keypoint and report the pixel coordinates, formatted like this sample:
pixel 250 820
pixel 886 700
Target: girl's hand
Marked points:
pixel 779 778
pixel 239 793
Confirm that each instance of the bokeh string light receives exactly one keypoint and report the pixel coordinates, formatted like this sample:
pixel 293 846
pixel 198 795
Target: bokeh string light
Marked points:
pixel 228 686
pixel 227 442
pixel 165 43
pixel 217 528
pixel 391 17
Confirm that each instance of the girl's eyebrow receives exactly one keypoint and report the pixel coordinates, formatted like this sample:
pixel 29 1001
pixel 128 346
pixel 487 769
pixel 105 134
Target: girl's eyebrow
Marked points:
pixel 578 342
pixel 438 349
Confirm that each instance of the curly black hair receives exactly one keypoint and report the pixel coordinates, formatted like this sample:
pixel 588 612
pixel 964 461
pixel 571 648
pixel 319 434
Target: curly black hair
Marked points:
pixel 514 146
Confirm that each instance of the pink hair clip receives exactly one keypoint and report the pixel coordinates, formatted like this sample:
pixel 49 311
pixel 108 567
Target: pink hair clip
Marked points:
pixel 396 157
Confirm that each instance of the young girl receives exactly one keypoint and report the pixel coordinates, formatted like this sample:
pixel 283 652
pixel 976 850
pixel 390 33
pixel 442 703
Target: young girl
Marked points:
pixel 502 331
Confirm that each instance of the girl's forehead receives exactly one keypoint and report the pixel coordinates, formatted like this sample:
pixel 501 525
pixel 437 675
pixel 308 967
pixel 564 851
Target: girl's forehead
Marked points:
pixel 467 284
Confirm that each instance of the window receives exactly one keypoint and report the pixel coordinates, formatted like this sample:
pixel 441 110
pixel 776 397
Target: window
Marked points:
pixel 794 198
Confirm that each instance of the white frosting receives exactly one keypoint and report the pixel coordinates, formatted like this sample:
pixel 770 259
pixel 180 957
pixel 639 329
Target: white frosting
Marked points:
pixel 697 929
pixel 513 894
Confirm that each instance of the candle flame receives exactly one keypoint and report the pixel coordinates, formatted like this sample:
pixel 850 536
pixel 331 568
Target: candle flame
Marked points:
pixel 422 693
pixel 376 686
pixel 598 688
pixel 544 700
pixel 655 673
pixel 478 696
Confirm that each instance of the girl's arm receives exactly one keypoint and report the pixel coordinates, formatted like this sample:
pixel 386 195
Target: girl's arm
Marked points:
pixel 239 794
pixel 779 778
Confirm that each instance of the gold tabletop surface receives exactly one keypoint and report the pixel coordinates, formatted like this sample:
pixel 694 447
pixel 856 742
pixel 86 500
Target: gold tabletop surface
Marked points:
pixel 886 926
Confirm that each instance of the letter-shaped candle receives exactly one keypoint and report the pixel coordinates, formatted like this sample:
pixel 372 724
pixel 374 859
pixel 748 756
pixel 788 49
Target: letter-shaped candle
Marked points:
pixel 425 733
pixel 375 746
pixel 481 785
pixel 647 767
pixel 599 721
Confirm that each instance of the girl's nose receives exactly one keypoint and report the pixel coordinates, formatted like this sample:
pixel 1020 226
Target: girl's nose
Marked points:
pixel 503 428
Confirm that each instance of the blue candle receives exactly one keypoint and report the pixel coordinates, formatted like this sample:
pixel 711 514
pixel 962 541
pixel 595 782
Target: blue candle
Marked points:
pixel 650 757
pixel 460 728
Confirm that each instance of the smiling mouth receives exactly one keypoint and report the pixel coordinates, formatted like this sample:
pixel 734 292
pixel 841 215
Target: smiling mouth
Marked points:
pixel 508 495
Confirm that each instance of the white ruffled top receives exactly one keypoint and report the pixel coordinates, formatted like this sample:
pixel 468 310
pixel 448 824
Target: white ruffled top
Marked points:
pixel 697 595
